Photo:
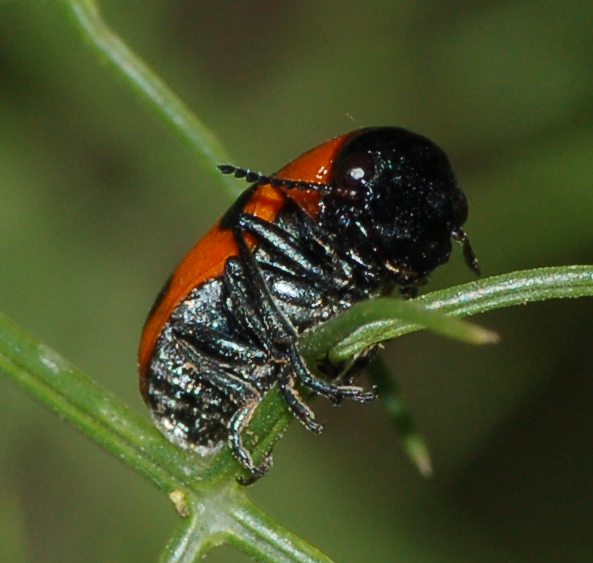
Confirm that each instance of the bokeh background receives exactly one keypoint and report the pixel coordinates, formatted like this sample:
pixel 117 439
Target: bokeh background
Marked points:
pixel 98 201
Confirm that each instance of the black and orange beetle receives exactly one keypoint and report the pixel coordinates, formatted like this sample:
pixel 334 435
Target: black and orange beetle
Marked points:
pixel 361 215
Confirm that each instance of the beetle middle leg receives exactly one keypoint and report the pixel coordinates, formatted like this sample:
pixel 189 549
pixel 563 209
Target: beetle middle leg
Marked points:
pixel 283 334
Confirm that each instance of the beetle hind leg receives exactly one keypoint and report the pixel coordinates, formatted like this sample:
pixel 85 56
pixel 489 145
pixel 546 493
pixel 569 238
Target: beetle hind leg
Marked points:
pixel 238 423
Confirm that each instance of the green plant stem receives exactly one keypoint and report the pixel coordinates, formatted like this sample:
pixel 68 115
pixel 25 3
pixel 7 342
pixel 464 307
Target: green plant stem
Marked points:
pixel 87 406
pixel 227 516
pixel 254 532
pixel 369 322
pixel 209 152
pixel 103 417
pixel 72 394
pixel 399 413
pixel 189 542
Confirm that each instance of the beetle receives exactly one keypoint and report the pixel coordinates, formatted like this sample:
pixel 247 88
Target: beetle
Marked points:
pixel 359 216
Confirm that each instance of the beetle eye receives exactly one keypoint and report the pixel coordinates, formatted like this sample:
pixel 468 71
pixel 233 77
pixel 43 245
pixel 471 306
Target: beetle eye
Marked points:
pixel 353 173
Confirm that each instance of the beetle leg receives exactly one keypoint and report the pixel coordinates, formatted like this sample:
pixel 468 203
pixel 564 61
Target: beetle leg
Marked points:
pixel 288 339
pixel 247 398
pixel 265 466
pixel 314 235
pixel 468 252
pixel 238 423
pixel 235 388
pixel 323 247
pixel 298 407
pixel 218 345
pixel 283 245
pixel 305 263
pixel 277 325
pixel 244 313
pixel 245 395
pixel 333 392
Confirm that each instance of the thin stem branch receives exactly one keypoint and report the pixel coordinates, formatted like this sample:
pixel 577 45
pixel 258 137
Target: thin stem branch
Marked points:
pixel 258 535
pixel 398 411
pixel 183 547
pixel 369 322
pixel 190 542
pixel 225 515
pixel 100 415
pixel 209 152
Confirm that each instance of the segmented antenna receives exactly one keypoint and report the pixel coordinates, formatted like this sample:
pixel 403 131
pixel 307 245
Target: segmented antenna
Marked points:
pixel 468 252
pixel 256 177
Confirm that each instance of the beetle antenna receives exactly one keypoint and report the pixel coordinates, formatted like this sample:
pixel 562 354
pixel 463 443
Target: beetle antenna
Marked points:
pixel 258 178
pixel 249 175
pixel 468 252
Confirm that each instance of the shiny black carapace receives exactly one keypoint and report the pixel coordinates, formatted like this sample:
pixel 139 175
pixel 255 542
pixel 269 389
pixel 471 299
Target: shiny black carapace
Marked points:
pixel 361 215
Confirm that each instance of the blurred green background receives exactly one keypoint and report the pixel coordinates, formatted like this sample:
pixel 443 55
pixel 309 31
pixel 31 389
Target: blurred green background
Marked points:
pixel 98 201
